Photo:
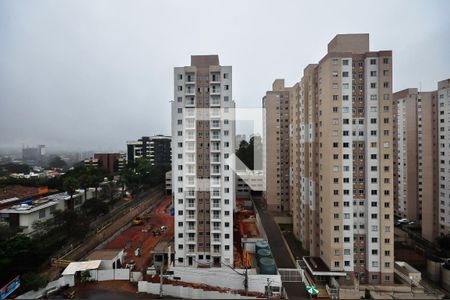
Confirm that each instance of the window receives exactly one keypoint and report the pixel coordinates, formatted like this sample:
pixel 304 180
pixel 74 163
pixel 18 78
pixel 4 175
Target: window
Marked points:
pixel 42 213
pixel 373 61
pixel 345 62
pixel 385 60
pixel 344 74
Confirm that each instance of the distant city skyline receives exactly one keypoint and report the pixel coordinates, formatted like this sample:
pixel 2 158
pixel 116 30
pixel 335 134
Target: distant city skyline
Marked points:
pixel 88 75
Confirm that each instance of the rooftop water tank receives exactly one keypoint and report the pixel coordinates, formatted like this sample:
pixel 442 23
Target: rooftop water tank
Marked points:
pixel 267 265
pixel 263 253
pixel 261 244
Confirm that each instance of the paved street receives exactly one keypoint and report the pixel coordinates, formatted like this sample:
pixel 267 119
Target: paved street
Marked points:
pixel 281 254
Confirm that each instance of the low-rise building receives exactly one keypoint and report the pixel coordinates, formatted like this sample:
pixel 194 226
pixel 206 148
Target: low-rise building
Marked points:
pixel 111 258
pixel 25 214
pixel 156 149
pixel 113 162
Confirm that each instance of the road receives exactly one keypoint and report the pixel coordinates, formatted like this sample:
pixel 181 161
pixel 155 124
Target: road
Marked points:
pixel 122 220
pixel 281 254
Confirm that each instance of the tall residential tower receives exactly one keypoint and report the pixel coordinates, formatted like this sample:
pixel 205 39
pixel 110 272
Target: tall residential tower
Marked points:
pixel 416 159
pixel 276 146
pixel 343 210
pixel 203 184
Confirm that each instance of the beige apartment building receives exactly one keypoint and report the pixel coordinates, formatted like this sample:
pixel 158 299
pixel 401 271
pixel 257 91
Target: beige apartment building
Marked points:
pixel 342 163
pixel 276 147
pixel 443 94
pixel 416 159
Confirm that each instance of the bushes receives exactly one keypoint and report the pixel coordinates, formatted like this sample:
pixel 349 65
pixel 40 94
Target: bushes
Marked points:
pixel 33 281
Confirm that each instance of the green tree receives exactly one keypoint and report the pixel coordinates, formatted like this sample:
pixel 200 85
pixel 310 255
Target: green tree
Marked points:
pixel 57 162
pixel 33 281
pixel 70 184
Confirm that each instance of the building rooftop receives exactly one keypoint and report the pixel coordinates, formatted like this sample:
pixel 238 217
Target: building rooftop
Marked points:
pixel 317 267
pixel 28 208
pixel 21 192
pixel 204 61
pixel 104 254
pixel 74 267
pixel 356 43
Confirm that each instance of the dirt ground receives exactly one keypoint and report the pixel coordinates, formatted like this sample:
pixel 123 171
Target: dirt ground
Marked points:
pixel 141 236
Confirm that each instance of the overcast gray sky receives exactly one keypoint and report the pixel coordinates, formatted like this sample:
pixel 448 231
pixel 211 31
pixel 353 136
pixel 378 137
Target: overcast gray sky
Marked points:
pixel 93 74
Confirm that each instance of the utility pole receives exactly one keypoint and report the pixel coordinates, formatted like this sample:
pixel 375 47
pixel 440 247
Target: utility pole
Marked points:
pixel 246 281
pixel 269 289
pixel 161 272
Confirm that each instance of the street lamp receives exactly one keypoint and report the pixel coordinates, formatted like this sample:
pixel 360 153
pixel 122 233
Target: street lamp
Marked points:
pixel 410 283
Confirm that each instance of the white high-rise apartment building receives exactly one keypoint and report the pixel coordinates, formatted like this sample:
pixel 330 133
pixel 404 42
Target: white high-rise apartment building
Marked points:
pixel 203 183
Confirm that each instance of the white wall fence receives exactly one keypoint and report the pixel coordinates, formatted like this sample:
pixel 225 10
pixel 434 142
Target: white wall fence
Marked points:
pixel 185 292
pixel 111 274
pixel 226 278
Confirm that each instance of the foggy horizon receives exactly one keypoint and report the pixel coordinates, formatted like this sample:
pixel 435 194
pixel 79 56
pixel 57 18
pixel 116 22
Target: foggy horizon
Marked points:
pixel 89 76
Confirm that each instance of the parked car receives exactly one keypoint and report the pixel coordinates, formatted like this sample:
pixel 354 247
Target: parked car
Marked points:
pixel 137 221
pixel 403 221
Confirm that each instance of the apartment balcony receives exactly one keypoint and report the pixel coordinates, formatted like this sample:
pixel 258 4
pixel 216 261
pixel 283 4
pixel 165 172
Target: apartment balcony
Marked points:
pixel 216 228
pixel 215 137
pixel 215 124
pixel 191 229
pixel 191 239
pixel 190 103
pixel 215 194
pixel 215 91
pixel 215 149
pixel 189 149
pixel 190 217
pixel 215 217
pixel 216 241
pixel 216 206
pixel 214 79
pixel 189 194
pixel 215 160
pixel 190 205
pixel 215 171
pixel 215 183
pixel 190 92
pixel 190 137
pixel 191 250
pixel 216 251
pixel 215 102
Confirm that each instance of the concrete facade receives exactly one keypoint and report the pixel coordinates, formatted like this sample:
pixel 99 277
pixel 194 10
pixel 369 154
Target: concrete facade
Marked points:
pixel 416 160
pixel 276 147
pixel 203 184
pixel 343 161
